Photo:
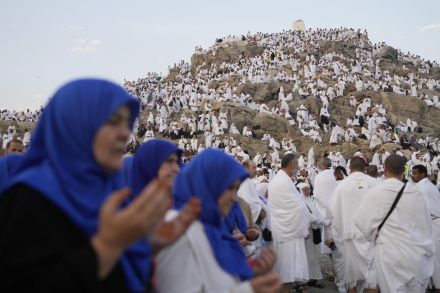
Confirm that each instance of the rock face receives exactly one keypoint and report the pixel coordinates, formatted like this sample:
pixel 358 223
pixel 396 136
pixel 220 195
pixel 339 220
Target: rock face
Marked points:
pixel 312 104
pixel 261 92
pixel 399 108
pixel 239 115
pixel 389 53
pixel 339 47
pixel 269 123
pixel 228 53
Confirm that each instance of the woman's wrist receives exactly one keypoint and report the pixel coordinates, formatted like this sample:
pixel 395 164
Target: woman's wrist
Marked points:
pixel 107 255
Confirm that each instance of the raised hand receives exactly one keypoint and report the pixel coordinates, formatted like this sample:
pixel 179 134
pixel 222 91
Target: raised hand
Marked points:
pixel 168 232
pixel 264 262
pixel 269 283
pixel 252 234
pixel 118 228
pixel 240 237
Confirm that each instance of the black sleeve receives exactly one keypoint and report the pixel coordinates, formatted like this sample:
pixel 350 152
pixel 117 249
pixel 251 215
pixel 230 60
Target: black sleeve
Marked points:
pixel 42 251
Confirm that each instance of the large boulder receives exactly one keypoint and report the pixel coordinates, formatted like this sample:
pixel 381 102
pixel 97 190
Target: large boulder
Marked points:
pixel 229 53
pixel 252 145
pixel 238 114
pixel 344 48
pixel 435 72
pixel 260 92
pixel 269 123
pixel 399 108
pixel 312 104
pixel 389 53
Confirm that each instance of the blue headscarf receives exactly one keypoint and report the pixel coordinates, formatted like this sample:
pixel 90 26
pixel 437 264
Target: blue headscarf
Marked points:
pixel 60 163
pixel 236 220
pixel 207 176
pixel 147 161
pixel 124 178
pixel 8 166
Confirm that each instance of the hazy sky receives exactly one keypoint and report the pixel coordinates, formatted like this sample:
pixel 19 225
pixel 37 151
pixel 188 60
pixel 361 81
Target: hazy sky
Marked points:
pixel 45 43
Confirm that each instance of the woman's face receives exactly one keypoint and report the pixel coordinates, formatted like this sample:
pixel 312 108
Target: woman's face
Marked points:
pixel 227 199
pixel 169 169
pixel 110 140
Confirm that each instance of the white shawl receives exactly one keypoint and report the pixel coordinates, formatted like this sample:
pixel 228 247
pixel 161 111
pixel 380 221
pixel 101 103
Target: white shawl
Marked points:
pixel 406 237
pixel 289 214
pixel 344 203
pixel 248 192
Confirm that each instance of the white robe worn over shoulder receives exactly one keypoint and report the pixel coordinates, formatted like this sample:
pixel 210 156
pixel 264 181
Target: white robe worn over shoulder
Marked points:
pixel 290 225
pixel 323 186
pixel 189 265
pixel 312 249
pixel 355 250
pixel 248 192
pixel 432 197
pixel 403 252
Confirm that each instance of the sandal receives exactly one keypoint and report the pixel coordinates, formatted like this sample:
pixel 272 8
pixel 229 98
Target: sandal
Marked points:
pixel 315 284
pixel 301 289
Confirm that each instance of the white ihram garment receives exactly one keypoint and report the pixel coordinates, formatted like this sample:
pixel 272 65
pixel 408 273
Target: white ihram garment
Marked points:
pixel 290 225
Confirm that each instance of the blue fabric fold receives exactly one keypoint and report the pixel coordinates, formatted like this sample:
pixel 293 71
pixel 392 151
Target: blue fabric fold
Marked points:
pixel 147 161
pixel 207 176
pixel 60 163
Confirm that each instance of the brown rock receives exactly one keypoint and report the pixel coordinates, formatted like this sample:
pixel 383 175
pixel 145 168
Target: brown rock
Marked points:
pixel 269 123
pixel 389 53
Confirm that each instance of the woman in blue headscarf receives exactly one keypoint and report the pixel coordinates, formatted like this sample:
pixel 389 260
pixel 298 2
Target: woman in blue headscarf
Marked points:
pixel 155 159
pixel 61 225
pixel 207 258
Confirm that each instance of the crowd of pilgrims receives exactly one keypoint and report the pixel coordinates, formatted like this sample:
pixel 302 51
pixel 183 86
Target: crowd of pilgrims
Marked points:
pixel 182 107
pixel 105 213
pixel 21 116
pixel 77 215
pixel 99 221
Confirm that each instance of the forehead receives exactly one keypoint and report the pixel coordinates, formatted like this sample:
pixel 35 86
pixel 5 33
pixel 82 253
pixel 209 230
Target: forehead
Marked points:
pixel 173 156
pixel 123 111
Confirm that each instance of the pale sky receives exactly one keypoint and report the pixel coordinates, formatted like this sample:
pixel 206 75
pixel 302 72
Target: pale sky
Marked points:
pixel 45 43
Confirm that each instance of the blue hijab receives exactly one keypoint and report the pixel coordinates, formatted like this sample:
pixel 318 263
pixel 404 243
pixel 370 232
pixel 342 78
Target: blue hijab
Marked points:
pixel 236 219
pixel 207 176
pixel 147 161
pixel 124 178
pixel 60 163
pixel 8 166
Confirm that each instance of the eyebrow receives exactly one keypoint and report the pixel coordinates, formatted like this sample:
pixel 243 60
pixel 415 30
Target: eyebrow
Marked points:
pixel 119 115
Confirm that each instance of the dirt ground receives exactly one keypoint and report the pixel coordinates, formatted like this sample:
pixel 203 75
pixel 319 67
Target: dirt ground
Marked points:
pixel 327 272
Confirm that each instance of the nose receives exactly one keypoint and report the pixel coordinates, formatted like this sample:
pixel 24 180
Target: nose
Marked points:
pixel 124 132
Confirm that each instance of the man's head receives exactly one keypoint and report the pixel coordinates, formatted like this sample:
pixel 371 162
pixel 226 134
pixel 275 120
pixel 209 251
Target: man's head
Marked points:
pixel 357 164
pixel 14 146
pixel 394 166
pixel 339 173
pixel 289 163
pixel 250 166
pixel 325 163
pixel 372 171
pixel 418 173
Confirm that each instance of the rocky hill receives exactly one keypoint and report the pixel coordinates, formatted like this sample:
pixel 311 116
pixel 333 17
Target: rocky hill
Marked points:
pixel 399 107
